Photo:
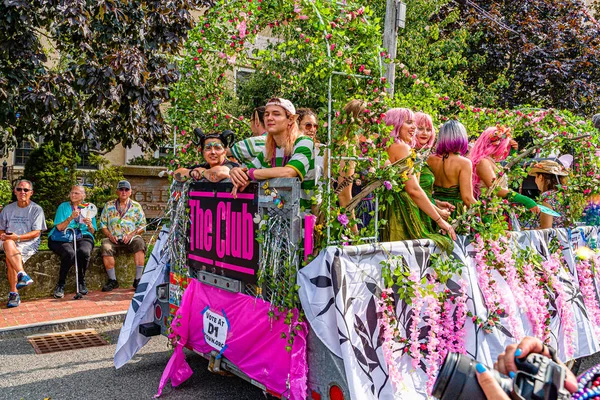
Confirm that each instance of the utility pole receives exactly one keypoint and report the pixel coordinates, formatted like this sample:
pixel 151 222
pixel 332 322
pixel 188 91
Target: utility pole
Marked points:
pixel 395 17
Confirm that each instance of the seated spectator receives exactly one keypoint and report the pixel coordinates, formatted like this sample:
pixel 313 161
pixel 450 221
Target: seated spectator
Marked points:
pixel 21 224
pixel 248 149
pixel 68 215
pixel 122 221
pixel 286 153
pixel 216 166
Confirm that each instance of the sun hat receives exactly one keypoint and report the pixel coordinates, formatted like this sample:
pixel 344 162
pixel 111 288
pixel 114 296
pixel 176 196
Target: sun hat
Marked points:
pixel 285 104
pixel 548 167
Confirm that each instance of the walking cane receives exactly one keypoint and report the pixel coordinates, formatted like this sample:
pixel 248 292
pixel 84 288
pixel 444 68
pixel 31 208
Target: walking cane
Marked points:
pixel 78 296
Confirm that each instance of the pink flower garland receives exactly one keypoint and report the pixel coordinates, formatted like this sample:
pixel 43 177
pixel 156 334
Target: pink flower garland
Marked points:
pixel 537 303
pixel 551 267
pixel 495 300
pixel 585 276
pixel 388 325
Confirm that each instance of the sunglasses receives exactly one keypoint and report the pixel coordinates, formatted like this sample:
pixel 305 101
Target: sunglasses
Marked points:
pixel 123 189
pixel 23 190
pixel 311 126
pixel 215 146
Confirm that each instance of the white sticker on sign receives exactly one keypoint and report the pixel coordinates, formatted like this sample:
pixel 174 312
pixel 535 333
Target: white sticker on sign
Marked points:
pixel 215 329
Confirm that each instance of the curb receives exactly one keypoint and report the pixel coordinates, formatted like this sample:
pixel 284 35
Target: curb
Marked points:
pixel 91 321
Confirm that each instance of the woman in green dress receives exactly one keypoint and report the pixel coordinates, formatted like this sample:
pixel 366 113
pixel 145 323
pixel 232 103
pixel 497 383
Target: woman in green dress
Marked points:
pixel 402 214
pixel 452 170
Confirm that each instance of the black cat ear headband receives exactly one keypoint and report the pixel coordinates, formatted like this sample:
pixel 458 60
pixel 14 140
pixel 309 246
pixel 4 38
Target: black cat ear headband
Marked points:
pixel 227 137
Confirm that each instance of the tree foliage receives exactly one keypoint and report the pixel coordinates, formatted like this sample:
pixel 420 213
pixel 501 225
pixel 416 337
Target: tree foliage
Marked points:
pixel 112 75
pixel 51 168
pixel 538 52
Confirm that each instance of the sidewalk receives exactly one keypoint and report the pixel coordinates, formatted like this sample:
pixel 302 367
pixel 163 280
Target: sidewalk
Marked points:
pixel 36 312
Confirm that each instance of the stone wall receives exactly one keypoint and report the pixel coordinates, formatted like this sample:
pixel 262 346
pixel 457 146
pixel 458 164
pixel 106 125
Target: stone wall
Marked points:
pixel 43 268
pixel 148 189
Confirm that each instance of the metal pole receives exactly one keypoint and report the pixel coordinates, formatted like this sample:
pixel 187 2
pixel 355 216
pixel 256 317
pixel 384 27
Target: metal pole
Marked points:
pixel 390 42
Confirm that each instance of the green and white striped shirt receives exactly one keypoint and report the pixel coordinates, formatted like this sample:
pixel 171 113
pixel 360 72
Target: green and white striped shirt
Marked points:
pixel 302 161
pixel 248 149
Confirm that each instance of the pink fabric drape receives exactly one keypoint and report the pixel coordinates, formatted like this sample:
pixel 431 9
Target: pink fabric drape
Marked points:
pixel 254 343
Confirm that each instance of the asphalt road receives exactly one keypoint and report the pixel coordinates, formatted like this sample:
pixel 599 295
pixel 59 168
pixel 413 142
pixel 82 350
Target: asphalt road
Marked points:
pixel 90 374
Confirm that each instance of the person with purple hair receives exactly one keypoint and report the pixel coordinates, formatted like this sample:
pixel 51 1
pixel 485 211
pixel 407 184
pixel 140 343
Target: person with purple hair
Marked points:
pixel 402 215
pixel 452 170
pixel 490 148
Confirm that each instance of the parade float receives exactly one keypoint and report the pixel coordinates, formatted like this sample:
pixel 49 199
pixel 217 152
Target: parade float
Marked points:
pixel 307 307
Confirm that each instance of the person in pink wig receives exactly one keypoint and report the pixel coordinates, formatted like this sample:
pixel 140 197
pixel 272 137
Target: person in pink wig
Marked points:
pixel 489 149
pixel 425 134
pixel 402 216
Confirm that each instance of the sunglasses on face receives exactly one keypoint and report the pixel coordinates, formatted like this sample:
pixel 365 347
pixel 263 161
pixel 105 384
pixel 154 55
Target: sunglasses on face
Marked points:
pixel 215 146
pixel 311 126
pixel 123 189
pixel 23 190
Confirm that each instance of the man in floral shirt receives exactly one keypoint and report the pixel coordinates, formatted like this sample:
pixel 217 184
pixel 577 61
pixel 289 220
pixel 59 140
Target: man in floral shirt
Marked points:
pixel 122 222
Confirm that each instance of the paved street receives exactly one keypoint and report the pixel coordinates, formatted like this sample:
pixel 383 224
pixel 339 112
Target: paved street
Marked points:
pixel 89 374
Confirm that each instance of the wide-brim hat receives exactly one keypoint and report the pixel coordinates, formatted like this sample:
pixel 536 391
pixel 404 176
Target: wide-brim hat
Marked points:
pixel 548 167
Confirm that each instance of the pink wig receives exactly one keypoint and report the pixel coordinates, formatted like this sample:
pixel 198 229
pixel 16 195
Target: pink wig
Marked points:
pixel 489 144
pixel 422 119
pixel 396 117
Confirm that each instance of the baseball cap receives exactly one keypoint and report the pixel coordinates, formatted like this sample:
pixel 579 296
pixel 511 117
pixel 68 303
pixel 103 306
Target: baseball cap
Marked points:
pixel 285 104
pixel 123 184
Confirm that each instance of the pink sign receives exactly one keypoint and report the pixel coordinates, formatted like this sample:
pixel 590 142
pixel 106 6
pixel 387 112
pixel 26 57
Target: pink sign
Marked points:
pixel 238 326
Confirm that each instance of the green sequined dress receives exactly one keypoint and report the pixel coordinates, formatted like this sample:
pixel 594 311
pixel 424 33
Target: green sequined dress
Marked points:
pixel 404 222
pixel 452 196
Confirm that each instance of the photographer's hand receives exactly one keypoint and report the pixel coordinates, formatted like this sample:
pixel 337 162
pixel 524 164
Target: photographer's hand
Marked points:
pixel 506 360
pixel 489 385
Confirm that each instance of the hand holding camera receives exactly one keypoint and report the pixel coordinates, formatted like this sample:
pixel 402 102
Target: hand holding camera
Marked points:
pixel 532 375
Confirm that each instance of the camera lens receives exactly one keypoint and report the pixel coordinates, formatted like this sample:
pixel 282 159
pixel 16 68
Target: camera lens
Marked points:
pixel 457 380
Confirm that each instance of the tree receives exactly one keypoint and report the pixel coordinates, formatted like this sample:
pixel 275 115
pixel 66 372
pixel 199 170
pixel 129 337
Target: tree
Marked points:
pixel 52 170
pixel 112 76
pixel 538 52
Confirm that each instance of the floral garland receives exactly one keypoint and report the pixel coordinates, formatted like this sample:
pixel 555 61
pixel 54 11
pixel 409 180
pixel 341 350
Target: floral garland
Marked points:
pixel 551 268
pixel 585 276
pixel 435 309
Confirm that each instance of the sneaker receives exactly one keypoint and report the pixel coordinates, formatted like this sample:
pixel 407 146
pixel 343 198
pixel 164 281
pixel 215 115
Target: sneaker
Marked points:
pixel 83 288
pixel 13 300
pixel 24 280
pixel 136 282
pixel 110 285
pixel 59 292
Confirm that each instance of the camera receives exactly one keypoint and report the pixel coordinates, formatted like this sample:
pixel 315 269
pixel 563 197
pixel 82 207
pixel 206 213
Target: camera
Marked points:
pixel 538 378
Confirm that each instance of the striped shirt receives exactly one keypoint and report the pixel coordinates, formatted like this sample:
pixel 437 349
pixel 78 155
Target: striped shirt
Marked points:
pixel 302 161
pixel 248 149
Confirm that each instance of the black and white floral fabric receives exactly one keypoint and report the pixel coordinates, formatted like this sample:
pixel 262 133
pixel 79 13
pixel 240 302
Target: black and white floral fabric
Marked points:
pixel 340 288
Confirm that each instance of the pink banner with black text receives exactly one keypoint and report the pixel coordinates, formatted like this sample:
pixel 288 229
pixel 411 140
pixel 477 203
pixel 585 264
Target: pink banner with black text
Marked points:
pixel 238 327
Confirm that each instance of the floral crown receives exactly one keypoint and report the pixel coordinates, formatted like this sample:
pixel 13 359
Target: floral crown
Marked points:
pixel 502 132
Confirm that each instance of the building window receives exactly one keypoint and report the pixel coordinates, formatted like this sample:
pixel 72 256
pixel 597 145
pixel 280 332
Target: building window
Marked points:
pixel 85 162
pixel 241 76
pixel 22 152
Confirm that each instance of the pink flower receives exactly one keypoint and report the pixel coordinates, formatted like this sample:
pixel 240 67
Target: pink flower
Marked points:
pixel 343 219
pixel 388 185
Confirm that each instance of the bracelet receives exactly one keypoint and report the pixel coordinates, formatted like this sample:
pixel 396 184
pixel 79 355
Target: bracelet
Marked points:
pixel 250 173
pixel 437 219
pixel 202 174
pixel 18 238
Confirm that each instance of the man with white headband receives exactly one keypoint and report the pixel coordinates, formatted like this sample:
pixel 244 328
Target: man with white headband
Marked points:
pixel 286 153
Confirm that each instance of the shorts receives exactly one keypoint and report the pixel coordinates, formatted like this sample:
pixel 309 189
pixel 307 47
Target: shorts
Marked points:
pixel 136 244
pixel 27 248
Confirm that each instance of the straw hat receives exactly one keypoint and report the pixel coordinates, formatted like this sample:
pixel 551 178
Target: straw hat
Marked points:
pixel 548 167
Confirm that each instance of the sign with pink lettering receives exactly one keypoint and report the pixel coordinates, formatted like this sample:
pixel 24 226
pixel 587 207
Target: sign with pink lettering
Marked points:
pixel 222 231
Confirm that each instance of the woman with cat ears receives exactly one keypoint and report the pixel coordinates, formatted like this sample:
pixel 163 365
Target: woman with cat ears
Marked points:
pixel 216 166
